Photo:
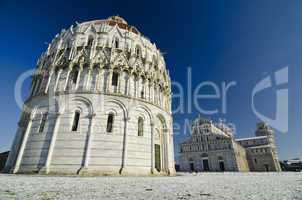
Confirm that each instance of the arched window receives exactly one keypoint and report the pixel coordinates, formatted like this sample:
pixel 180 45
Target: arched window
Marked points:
pixel 110 123
pixel 137 51
pixel 90 41
pixel 43 121
pixel 142 94
pixel 140 126
pixel 115 78
pixel 75 123
pixel 75 76
pixel 116 43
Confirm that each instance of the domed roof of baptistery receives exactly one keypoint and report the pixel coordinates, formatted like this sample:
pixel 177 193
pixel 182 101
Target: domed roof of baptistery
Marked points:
pixel 109 42
pixel 113 21
pixel 117 19
pixel 104 32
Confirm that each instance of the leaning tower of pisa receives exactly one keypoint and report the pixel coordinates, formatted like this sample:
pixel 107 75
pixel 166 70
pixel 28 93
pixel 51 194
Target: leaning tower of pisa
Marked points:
pixel 100 103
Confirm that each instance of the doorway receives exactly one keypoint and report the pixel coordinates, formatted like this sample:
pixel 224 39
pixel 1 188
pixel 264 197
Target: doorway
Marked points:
pixel 266 167
pixel 205 163
pixel 192 168
pixel 221 166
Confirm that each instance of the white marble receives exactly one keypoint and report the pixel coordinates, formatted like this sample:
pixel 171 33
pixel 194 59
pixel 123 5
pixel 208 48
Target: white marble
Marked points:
pixel 76 74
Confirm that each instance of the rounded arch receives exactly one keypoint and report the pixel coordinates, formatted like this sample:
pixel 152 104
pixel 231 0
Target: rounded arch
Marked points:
pixel 78 109
pixel 157 136
pixel 111 111
pixel 120 104
pixel 145 109
pixel 85 101
pixel 140 116
pixel 162 120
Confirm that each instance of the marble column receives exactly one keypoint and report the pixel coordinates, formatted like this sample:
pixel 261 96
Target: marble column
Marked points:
pixel 41 78
pixel 67 80
pixel 93 81
pixel 99 80
pixel 33 85
pixel 143 89
pixel 23 145
pixel 46 168
pixel 152 148
pixel 171 151
pixel 36 85
pixel 149 91
pixel 57 80
pixel 151 97
pixel 84 169
pixel 123 169
pixel 166 150
pixel 48 82
pixel 120 76
pixel 156 95
pixel 109 80
pixel 79 76
pixel 89 78
pixel 126 86
pixel 135 86
pixel 160 102
pixel 130 82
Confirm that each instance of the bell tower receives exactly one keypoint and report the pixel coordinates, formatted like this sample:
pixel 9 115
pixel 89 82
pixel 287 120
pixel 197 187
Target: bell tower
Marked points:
pixel 264 130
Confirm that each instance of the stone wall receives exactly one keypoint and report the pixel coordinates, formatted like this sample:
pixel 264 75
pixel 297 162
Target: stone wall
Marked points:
pixel 241 158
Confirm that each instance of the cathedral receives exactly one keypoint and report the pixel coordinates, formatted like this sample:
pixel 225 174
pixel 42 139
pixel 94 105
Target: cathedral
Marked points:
pixel 212 147
pixel 100 103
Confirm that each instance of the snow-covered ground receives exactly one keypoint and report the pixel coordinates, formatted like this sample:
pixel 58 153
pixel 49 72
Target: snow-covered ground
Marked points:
pixel 241 186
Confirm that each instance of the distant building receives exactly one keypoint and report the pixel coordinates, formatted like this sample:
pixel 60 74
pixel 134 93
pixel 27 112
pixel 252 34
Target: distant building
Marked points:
pixel 261 150
pixel 214 148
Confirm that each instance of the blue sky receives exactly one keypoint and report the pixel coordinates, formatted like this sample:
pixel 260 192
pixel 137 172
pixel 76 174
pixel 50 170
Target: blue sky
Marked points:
pixel 241 41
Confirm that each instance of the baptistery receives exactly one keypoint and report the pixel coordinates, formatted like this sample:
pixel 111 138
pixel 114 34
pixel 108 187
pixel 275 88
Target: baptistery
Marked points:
pixel 99 103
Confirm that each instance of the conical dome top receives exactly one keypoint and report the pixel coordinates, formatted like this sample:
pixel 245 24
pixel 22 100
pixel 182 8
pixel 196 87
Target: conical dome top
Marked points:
pixel 117 19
